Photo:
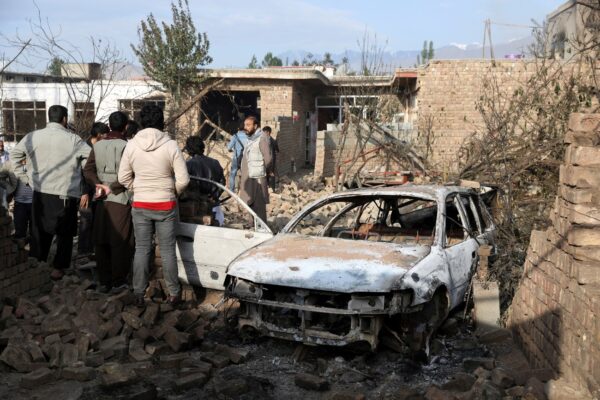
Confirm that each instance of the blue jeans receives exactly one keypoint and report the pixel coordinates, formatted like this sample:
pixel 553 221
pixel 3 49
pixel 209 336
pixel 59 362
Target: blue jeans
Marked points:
pixel 232 174
pixel 145 223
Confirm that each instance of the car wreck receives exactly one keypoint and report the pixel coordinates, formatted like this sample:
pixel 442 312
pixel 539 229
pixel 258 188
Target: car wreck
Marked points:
pixel 351 266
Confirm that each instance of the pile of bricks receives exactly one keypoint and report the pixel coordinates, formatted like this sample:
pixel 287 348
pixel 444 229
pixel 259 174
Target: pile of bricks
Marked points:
pixel 76 333
pixel 556 310
pixel 18 275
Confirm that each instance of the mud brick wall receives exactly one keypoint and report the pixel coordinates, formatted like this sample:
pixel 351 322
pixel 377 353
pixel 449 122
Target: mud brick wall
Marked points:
pixel 447 96
pixel 555 313
pixel 373 160
pixel 17 276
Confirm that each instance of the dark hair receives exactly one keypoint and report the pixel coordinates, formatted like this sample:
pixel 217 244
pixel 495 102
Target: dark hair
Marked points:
pixel 57 113
pixel 132 128
pixel 98 128
pixel 266 129
pixel 117 121
pixel 253 118
pixel 151 116
pixel 194 145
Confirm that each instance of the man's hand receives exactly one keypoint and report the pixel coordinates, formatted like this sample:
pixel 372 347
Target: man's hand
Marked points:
pixel 102 190
pixel 84 201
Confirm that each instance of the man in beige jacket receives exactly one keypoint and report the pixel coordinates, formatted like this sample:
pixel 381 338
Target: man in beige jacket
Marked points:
pixel 153 167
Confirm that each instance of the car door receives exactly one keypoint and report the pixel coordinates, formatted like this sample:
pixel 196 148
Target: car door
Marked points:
pixel 204 252
pixel 459 246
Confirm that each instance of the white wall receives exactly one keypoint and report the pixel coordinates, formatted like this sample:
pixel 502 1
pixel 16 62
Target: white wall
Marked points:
pixel 104 94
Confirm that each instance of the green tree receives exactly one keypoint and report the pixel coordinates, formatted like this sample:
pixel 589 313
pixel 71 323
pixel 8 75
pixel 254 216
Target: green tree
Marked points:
pixel 172 53
pixel 327 60
pixel 253 63
pixel 55 66
pixel 424 53
pixel 295 63
pixel 270 60
pixel 430 53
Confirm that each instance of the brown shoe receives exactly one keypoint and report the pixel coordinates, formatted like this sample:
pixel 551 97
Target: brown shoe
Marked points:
pixel 173 300
pixel 56 274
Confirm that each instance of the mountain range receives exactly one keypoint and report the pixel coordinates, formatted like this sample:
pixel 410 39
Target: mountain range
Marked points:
pixel 408 58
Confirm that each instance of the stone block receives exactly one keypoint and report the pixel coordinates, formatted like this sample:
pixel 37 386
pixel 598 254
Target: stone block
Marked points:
pixel 584 237
pixel 586 272
pixel 157 348
pixel 588 156
pixel 94 360
pixel 461 382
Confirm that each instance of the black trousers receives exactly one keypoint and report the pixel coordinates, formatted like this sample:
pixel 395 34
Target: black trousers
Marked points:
pixel 114 240
pixel 53 216
pixel 85 244
pixel 22 215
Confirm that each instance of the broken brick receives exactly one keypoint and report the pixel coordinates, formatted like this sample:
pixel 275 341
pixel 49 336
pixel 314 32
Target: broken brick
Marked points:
pixel 177 340
pixel 471 364
pixel 81 374
pixel 117 375
pixel 151 314
pixel 37 378
pixel 143 333
pixel 36 352
pixel 157 348
pixel 191 381
pixel 116 345
pixel 16 358
pixel 186 319
pixel 68 338
pixel 55 337
pixel 136 350
pixel 132 320
pixel 311 382
pixel 172 360
pixel 235 355
pixel 69 355
pixel 94 360
pixel 218 360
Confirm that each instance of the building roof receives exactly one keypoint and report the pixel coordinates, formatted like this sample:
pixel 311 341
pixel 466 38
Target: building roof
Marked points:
pixel 323 75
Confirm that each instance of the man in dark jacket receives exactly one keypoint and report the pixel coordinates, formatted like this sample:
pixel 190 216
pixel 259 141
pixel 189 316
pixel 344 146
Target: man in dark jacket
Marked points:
pixel 202 166
pixel 113 229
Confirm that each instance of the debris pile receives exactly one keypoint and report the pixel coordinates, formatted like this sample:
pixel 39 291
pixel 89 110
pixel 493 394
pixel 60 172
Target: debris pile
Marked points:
pixel 76 333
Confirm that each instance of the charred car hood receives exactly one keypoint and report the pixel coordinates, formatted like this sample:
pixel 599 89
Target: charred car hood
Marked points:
pixel 327 264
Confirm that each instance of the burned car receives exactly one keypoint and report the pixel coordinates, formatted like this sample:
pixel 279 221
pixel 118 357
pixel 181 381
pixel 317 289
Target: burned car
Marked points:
pixel 360 263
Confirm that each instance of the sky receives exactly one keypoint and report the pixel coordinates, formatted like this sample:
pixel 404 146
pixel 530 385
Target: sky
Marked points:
pixel 238 29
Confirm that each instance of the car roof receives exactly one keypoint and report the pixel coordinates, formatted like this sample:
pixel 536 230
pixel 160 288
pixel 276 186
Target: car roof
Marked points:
pixel 425 191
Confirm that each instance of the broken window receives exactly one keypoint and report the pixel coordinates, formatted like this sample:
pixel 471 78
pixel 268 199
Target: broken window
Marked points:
pixel 84 116
pixel 133 107
pixel 455 226
pixel 389 219
pixel 21 117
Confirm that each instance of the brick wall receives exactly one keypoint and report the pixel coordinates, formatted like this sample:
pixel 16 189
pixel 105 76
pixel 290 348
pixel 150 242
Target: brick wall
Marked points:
pixel 447 97
pixel 555 313
pixel 17 276
pixel 373 158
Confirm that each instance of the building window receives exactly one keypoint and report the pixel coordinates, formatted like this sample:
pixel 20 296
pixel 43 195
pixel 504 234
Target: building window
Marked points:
pixel 84 116
pixel 30 79
pixel 133 107
pixel 21 117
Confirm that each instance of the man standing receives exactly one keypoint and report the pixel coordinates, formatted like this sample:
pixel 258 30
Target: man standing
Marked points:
pixel 153 167
pixel 113 230
pixel 236 146
pixel 202 166
pixel 272 173
pixel 4 156
pixel 54 156
pixel 256 162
